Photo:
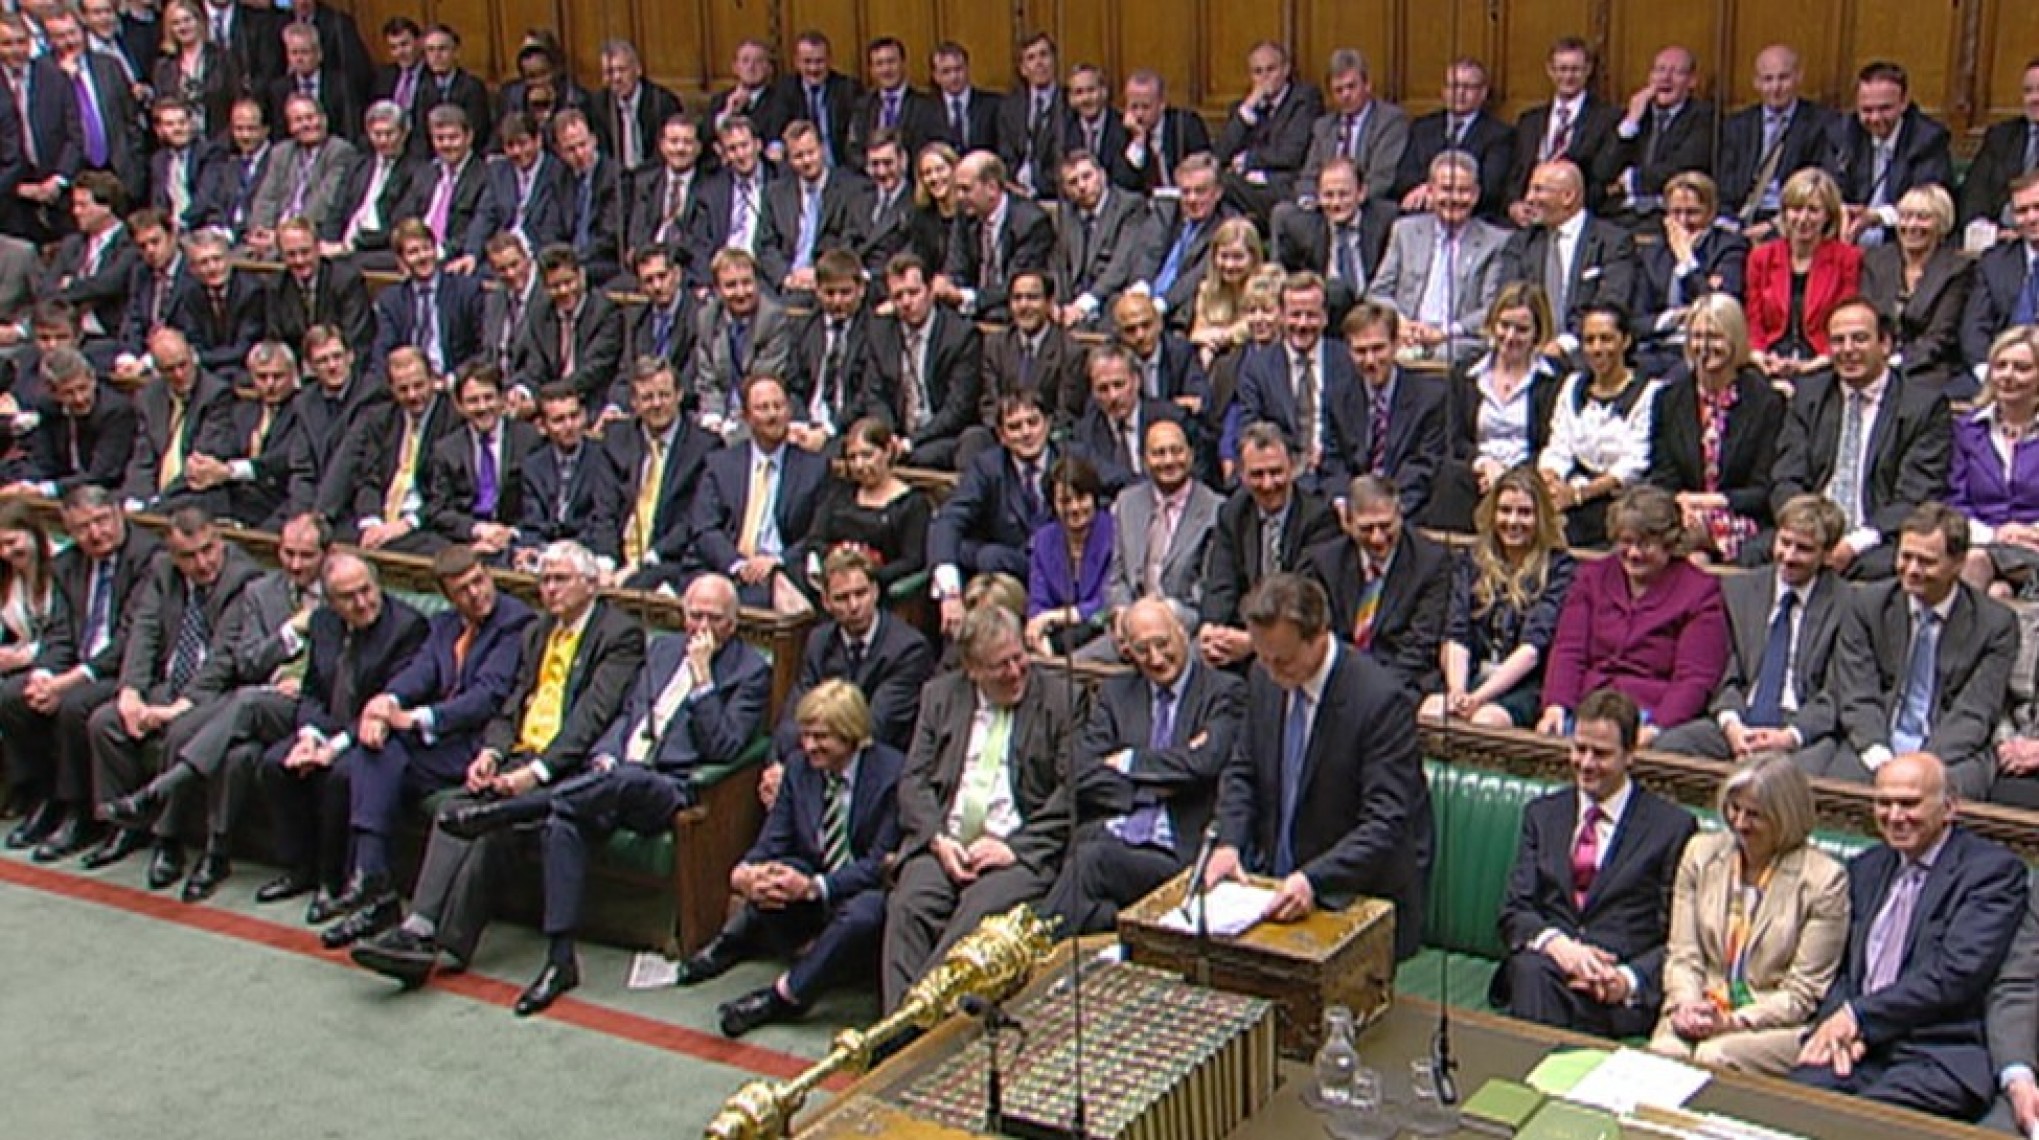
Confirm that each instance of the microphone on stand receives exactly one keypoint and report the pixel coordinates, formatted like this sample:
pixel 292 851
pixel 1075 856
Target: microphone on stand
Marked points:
pixel 995 1019
pixel 1194 889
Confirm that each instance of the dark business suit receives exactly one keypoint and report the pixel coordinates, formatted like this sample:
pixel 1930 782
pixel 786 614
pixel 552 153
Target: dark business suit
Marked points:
pixel 199 159
pixel 337 297
pixel 915 115
pixel 841 217
pixel 52 144
pixel 1986 191
pixel 398 178
pixel 661 213
pixel 840 931
pixel 591 205
pixel 1668 143
pixel 578 507
pixel 462 89
pixel 344 668
pixel 987 522
pixel 1922 158
pixel 1180 133
pixel 1056 370
pixel 827 384
pixel 453 482
pixel 1408 628
pixel 1593 147
pixel 1026 240
pixel 642 337
pixel 322 469
pixel 543 217
pixel 723 498
pixel 1928 320
pixel 48 754
pixel 1100 257
pixel 970 119
pixel 837 98
pixel 651 107
pixel 625 448
pixel 1603 267
pixel 1924 1032
pixel 1487 139
pixel 1105 872
pixel 1978 646
pixel 711 216
pixel 206 414
pixel 1665 289
pixel 711 726
pixel 457 302
pixel 1302 241
pixel 230 193
pixel 341 105
pixel 1120 463
pixel 94 448
pixel 97 288
pixel 1414 444
pixel 1233 563
pixel 1359 810
pixel 1262 158
pixel 890 674
pixel 1906 451
pixel 1999 278
pixel 1803 143
pixel 597 348
pixel 1626 911
pixel 887 228
pixel 275 453
pixel 462 203
pixel 366 477
pixel 1267 392
pixel 220 336
pixel 1030 144
pixel 927 912
pixel 953 350
pixel 1751 601
pixel 1747 449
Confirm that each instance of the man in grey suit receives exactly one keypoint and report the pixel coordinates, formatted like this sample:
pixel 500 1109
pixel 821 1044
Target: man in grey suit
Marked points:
pixel 740 332
pixel 983 802
pixel 1358 127
pixel 1146 772
pixel 1922 664
pixel 1442 268
pixel 1164 525
pixel 1104 240
pixel 1782 623
pixel 304 174
pixel 2012 1025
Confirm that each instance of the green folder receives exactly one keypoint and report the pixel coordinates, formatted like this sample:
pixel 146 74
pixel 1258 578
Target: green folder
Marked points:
pixel 1501 1108
pixel 1563 1120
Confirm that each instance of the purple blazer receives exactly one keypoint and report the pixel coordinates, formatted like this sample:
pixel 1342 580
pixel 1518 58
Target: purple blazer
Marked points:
pixel 1048 580
pixel 1665 649
pixel 1977 485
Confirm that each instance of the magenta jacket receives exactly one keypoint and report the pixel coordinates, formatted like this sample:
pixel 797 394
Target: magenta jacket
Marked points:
pixel 1666 649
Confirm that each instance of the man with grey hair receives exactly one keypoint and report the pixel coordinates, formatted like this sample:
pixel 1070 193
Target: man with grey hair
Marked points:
pixel 304 171
pixel 579 660
pixel 983 802
pixel 307 72
pixel 1442 268
pixel 628 111
pixel 1355 126
pixel 365 207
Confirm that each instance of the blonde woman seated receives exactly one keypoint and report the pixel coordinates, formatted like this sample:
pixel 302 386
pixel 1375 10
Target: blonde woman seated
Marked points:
pixel 1759 921
pixel 1218 320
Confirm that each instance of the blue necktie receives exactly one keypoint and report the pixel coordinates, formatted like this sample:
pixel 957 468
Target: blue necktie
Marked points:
pixel 662 333
pixel 1295 743
pixel 1144 824
pixel 1172 267
pixel 88 117
pixel 1914 719
pixel 2027 307
pixel 1766 704
pixel 584 214
pixel 98 607
pixel 737 331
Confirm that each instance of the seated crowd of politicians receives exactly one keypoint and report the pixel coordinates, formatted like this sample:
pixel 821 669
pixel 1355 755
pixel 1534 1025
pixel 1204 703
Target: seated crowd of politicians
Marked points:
pixel 1732 416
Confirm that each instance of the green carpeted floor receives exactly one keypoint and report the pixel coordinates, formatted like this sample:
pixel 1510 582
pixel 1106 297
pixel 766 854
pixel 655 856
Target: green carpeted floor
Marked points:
pixel 118 1020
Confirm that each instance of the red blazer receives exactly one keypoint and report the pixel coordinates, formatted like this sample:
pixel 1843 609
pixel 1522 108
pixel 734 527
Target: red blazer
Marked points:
pixel 1836 275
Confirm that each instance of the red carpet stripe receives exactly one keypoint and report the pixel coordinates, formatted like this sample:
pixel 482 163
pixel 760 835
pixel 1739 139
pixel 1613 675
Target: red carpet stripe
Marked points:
pixel 305 943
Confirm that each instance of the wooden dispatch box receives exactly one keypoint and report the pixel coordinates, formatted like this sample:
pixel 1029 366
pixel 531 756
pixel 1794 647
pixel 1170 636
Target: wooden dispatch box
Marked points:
pixel 1334 957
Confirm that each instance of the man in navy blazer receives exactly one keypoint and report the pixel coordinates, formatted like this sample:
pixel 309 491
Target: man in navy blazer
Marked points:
pixel 2006 291
pixel 887 659
pixel 812 885
pixel 1324 790
pixel 420 731
pixel 526 191
pixel 759 558
pixel 49 148
pixel 1268 388
pixel 699 701
pixel 1588 908
pixel 985 525
pixel 651 503
pixel 357 642
pixel 1396 423
pixel 452 300
pixel 568 488
pixel 1919 149
pixel 1020 236
pixel 1405 628
pixel 1147 770
pixel 1935 908
pixel 1112 434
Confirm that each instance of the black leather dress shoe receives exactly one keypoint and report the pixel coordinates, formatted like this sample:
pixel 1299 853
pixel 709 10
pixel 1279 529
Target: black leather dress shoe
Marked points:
pixel 472 821
pixel 552 983
pixel 73 833
pixel 710 961
pixel 758 1007
pixel 36 826
pixel 288 885
pixel 117 846
pixel 166 866
pixel 212 870
pixel 398 954
pixel 329 905
pixel 372 919
pixel 136 811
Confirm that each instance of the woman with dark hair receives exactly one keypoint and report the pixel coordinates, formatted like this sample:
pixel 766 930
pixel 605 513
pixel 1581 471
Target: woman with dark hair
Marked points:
pixel 1506 592
pixel 1715 432
pixel 1645 622
pixel 873 508
pixel 1599 439
pixel 1070 562
pixel 27 590
pixel 935 203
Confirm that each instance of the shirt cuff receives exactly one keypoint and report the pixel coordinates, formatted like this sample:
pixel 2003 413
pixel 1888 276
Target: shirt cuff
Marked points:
pixel 241 470
pixel 544 773
pixel 1864 539
pixel 821 889
pixel 1980 533
pixel 1729 720
pixel 427 723
pixel 1875 756
pixel 1544 938
pixel 968 305
pixel 1629 129
pixel 341 743
pixel 1635 987
pixel 2012 1074
pixel 292 643
pixel 948 581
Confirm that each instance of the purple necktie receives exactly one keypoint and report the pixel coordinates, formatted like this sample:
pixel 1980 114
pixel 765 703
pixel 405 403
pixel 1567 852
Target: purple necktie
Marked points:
pixel 1892 928
pixel 485 478
pixel 88 117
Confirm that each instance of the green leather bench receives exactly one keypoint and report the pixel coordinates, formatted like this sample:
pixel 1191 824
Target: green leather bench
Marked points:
pixel 1477 814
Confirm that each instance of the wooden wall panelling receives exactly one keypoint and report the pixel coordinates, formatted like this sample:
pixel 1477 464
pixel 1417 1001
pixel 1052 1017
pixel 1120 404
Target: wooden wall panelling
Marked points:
pixel 1812 27
pixel 589 25
pixel 1164 38
pixel 1325 26
pixel 513 19
pixel 724 25
pixel 1526 32
pixel 840 21
pixel 1231 30
pixel 2010 38
pixel 1083 31
pixel 985 27
pixel 1430 36
pixel 911 21
pixel 1637 32
pixel 1902 30
pixel 476 21
pixel 673 40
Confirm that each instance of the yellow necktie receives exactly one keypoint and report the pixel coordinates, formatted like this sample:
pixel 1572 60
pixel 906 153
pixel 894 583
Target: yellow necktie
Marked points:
pixel 548 701
pixel 754 509
pixel 406 472
pixel 260 435
pixel 173 451
pixel 650 484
